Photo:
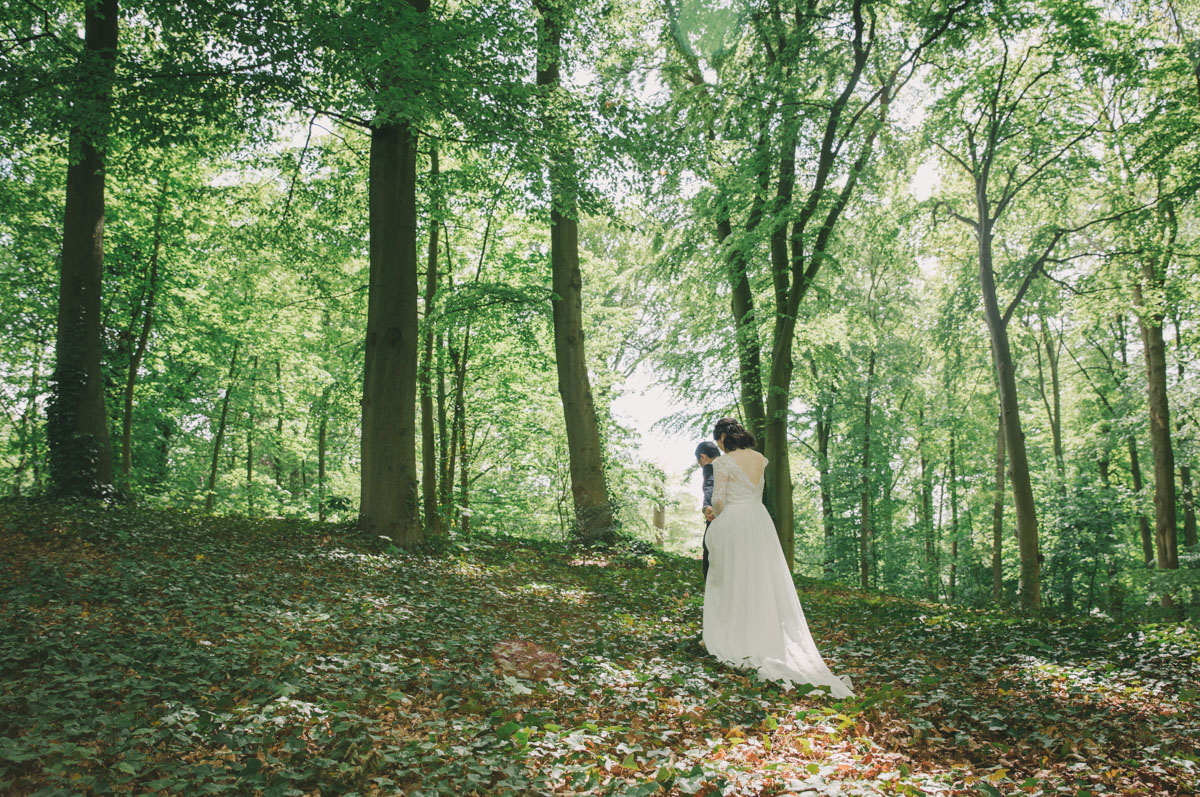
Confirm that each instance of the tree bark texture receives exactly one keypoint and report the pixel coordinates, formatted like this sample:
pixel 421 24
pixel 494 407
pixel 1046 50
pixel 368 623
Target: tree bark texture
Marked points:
pixel 594 521
pixel 77 423
pixel 1149 297
pixel 389 503
pixel 1022 488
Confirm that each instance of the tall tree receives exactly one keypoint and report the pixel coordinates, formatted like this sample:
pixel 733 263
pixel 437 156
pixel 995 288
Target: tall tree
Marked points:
pixel 77 430
pixel 594 519
pixel 994 128
pixel 839 136
pixel 429 451
pixel 1149 296
pixel 135 339
pixel 388 503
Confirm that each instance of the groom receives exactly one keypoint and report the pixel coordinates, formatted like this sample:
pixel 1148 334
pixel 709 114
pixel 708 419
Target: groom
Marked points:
pixel 706 452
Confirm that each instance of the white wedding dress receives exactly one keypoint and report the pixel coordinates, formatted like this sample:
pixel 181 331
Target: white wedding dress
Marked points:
pixel 752 617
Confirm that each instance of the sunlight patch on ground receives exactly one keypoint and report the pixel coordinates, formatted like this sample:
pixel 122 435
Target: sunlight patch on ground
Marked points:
pixel 564 594
pixel 368 562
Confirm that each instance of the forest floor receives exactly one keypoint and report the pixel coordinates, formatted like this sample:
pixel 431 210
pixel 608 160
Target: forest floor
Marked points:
pixel 166 652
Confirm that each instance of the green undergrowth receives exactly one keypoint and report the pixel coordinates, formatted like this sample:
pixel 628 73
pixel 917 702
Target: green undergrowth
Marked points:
pixel 175 653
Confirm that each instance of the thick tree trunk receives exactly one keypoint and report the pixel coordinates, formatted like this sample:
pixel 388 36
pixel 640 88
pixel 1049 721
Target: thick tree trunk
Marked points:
pixel 864 534
pixel 1160 444
pixel 777 486
pixel 998 518
pixel 1148 294
pixel 145 309
pixel 389 505
pixel 1022 488
pixel 429 460
pixel 77 423
pixel 210 493
pixel 594 521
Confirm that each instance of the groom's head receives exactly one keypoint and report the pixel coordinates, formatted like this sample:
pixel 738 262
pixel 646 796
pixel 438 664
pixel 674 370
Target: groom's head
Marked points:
pixel 706 452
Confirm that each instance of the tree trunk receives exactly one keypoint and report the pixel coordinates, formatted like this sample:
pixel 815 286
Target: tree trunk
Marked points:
pixel 277 444
pixel 1135 471
pixel 1185 470
pixel 429 461
pixel 464 479
pixel 145 309
pixel 28 453
pixel 1135 468
pixel 1148 295
pixel 777 486
pixel 926 513
pixel 594 521
pixel 389 505
pixel 954 517
pixel 443 435
pixel 1022 488
pixel 824 430
pixel 749 347
pixel 864 534
pixel 210 494
pixel 322 440
pixel 77 422
pixel 998 518
pixel 250 438
pixel 458 428
pixel 1052 401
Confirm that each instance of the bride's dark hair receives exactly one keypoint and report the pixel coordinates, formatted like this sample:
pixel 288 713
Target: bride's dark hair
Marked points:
pixel 735 435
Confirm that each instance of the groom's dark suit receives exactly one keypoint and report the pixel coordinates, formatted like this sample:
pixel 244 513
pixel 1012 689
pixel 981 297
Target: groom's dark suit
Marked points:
pixel 707 470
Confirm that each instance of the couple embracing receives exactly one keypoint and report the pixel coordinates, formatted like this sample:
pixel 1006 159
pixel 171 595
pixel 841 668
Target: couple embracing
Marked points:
pixel 752 617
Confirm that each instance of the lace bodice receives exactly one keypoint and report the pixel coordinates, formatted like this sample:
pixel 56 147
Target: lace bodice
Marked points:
pixel 732 485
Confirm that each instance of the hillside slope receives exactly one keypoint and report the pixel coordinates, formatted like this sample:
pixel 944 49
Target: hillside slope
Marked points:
pixel 148 651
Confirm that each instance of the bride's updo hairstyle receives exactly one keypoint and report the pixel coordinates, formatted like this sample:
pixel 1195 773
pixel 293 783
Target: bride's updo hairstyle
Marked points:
pixel 735 435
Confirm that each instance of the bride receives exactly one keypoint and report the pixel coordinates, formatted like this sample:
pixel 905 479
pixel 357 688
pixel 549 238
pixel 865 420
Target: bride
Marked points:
pixel 752 617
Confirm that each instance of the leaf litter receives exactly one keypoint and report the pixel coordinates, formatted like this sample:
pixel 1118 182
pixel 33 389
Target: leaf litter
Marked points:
pixel 151 651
